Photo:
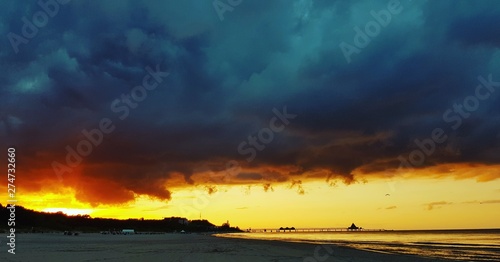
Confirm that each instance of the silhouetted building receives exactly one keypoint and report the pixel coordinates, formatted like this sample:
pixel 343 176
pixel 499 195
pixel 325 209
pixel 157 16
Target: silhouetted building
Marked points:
pixel 353 227
pixel 180 220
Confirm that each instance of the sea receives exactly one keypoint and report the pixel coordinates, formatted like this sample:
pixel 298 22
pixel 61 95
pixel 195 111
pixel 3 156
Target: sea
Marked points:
pixel 459 245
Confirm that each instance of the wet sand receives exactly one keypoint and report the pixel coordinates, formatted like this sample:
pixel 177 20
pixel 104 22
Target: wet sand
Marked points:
pixel 180 248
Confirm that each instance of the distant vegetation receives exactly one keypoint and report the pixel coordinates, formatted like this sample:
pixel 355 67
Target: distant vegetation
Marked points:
pixel 30 221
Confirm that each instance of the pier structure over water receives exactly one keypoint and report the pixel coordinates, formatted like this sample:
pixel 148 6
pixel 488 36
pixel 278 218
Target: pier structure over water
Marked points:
pixel 332 229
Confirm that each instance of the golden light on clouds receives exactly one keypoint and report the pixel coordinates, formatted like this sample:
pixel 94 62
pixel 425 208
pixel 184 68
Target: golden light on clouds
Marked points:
pixel 434 197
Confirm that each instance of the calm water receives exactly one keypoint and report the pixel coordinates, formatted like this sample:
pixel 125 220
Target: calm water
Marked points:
pixel 464 245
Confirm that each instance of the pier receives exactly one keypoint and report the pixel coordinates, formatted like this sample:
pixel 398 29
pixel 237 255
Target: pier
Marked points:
pixel 305 230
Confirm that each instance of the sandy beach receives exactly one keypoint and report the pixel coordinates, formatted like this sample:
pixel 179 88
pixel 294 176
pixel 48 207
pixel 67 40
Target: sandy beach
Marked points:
pixel 180 248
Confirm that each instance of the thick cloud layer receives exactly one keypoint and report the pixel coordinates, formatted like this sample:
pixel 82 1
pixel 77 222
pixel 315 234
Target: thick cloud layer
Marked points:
pixel 354 112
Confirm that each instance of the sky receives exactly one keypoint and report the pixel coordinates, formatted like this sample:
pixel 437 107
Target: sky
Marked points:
pixel 264 113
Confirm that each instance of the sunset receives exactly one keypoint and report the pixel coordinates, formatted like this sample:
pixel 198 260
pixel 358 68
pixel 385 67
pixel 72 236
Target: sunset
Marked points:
pixel 251 116
pixel 420 203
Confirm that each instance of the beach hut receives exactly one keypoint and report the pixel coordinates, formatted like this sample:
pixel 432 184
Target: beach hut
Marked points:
pixel 128 231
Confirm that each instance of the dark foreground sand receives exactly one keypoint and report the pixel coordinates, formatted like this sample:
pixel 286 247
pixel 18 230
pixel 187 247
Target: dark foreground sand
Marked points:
pixel 177 248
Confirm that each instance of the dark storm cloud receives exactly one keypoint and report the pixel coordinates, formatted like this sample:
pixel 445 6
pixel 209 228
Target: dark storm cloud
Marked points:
pixel 479 29
pixel 249 176
pixel 225 79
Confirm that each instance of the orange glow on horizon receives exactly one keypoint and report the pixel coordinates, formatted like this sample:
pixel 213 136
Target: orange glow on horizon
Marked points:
pixel 423 199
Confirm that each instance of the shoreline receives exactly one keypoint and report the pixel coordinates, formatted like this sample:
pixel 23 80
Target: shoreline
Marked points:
pixel 340 253
pixel 184 248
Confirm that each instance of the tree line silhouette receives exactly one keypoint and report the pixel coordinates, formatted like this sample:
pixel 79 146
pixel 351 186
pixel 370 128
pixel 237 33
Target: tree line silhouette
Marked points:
pixel 30 221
